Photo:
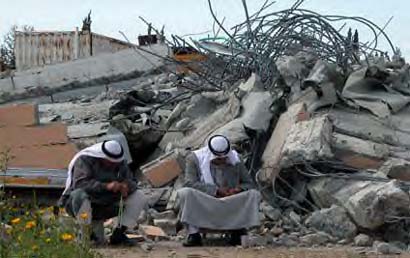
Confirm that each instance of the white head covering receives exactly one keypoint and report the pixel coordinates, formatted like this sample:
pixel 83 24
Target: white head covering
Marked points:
pixel 218 146
pixel 108 150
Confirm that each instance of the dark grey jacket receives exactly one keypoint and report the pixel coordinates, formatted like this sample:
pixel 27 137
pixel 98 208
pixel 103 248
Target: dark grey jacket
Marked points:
pixel 92 176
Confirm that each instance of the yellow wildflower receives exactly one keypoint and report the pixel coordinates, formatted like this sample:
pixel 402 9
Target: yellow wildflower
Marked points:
pixel 27 213
pixel 42 232
pixel 67 237
pixel 15 221
pixel 30 224
pixel 84 215
pixel 47 240
pixel 35 248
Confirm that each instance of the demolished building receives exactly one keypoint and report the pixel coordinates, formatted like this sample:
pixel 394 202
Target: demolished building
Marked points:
pixel 319 118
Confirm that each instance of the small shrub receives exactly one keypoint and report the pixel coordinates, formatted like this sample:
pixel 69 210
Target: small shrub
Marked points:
pixel 30 231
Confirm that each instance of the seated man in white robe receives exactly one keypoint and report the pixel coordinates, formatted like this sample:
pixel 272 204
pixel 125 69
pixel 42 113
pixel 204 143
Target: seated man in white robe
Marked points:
pixel 218 193
pixel 99 185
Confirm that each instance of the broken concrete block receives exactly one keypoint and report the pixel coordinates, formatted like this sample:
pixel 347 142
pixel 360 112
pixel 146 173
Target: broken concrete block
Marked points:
pixel 169 226
pixel 363 240
pixel 253 241
pixel 307 141
pixel 372 206
pixel 334 221
pixel 319 238
pixel 87 130
pixel 270 212
pixel 359 153
pixel 256 114
pixel 287 241
pixel 147 247
pixel 328 191
pixel 135 237
pixel 175 114
pixel 183 124
pixel 151 231
pixel 211 122
pixel 272 154
pixel 252 84
pixel 291 70
pixel 163 170
pixel 277 231
pixel 369 204
pixel 162 215
pixel 386 248
pixel 364 126
pixel 295 217
pixel 396 169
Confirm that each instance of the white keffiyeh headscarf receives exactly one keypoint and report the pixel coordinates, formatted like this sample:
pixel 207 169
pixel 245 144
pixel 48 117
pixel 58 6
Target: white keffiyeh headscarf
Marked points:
pixel 109 150
pixel 218 146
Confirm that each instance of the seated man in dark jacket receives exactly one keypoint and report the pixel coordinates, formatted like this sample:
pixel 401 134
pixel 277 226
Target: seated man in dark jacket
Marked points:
pixel 218 193
pixel 99 182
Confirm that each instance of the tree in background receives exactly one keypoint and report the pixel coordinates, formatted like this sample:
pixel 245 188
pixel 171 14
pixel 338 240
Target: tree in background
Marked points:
pixel 7 55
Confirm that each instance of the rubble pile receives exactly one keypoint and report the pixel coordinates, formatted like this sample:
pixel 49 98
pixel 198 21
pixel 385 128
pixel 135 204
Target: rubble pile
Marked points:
pixel 320 119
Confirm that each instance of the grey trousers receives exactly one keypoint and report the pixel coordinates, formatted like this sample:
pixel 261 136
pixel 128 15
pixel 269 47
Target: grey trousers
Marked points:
pixel 200 210
pixel 80 206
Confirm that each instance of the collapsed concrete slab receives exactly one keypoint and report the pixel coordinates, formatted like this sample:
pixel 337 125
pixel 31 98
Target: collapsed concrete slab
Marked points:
pixel 94 70
pixel 307 141
pixel 272 154
pixel 87 130
pixel 359 153
pixel 374 205
pixel 328 191
pixel 255 114
pixel 367 127
pixel 370 204
pixel 204 129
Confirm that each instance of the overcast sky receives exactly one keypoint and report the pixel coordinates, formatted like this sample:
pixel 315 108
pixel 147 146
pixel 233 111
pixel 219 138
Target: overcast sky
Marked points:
pixel 186 16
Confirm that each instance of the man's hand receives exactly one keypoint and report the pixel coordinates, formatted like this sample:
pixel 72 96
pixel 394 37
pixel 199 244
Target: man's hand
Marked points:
pixel 124 189
pixel 222 192
pixel 114 186
pixel 234 191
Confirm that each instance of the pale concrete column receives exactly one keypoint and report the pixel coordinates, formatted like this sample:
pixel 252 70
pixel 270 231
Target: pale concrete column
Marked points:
pixel 76 44
pixel 17 51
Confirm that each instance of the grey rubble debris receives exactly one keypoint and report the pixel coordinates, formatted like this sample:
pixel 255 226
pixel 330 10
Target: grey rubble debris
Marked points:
pixel 319 238
pixel 363 240
pixel 334 221
pixel 386 248
pixel 323 132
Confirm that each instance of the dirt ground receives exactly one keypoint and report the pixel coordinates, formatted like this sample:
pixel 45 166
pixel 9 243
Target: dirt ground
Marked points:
pixel 174 250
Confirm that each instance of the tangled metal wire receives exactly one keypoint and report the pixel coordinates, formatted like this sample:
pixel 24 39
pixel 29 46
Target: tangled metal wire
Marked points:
pixel 256 44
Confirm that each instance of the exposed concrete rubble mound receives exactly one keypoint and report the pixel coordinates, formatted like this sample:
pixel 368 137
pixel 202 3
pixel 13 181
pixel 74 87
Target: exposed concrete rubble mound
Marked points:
pixel 334 221
pixel 320 119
